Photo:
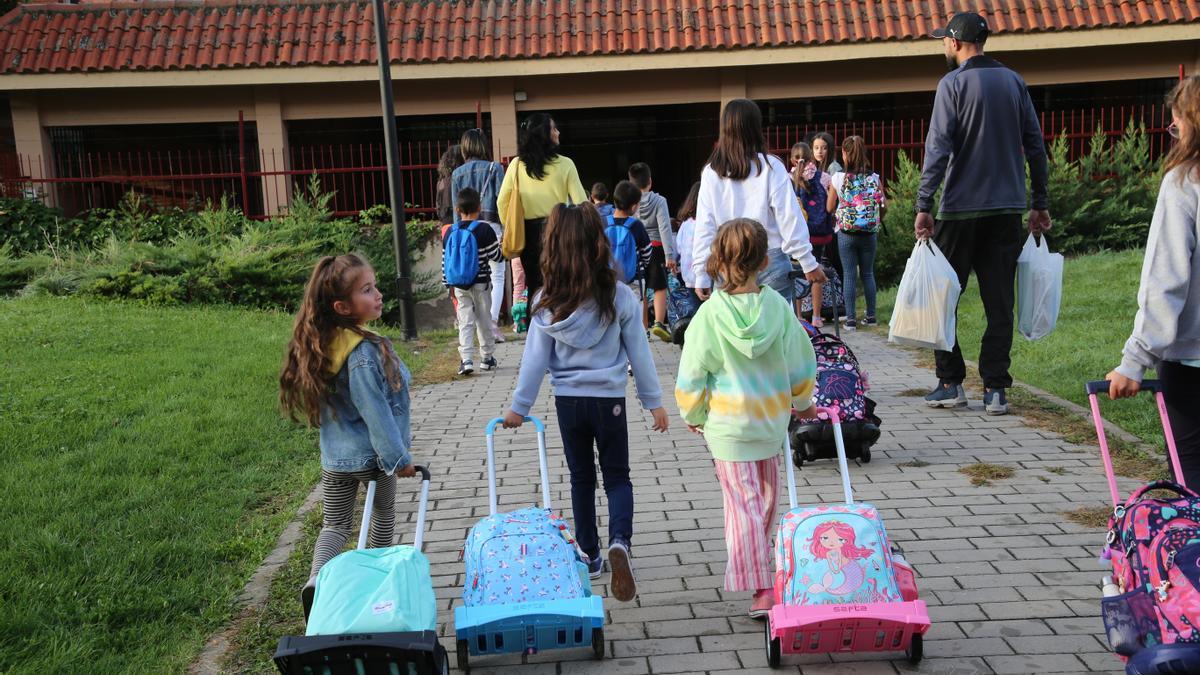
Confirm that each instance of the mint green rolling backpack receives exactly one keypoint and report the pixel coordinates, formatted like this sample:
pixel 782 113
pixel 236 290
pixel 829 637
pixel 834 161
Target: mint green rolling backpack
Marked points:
pixel 376 590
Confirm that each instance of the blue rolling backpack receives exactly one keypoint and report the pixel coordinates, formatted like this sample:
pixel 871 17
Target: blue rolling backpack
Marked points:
pixel 374 611
pixel 526 586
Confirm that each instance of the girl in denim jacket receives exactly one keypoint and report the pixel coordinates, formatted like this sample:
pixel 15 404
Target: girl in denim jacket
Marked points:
pixel 348 381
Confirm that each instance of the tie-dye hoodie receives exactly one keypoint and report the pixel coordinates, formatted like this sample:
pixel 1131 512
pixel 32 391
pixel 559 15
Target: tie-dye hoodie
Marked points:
pixel 746 362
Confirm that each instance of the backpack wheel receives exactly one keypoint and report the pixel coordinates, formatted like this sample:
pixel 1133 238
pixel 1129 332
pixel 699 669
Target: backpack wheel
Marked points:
pixel 464 656
pixel 443 661
pixel 774 649
pixel 598 643
pixel 915 650
pixel 864 455
pixel 810 451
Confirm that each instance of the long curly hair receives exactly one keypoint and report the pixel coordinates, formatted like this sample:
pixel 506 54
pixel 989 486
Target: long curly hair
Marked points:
pixel 1184 102
pixel 305 382
pixel 576 264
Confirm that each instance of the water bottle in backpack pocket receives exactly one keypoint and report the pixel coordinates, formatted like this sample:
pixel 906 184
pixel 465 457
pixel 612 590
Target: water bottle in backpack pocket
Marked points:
pixel 624 247
pixel 460 262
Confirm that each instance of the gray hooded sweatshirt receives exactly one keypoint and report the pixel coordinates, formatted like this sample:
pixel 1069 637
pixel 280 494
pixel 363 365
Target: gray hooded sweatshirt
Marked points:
pixel 1167 325
pixel 587 355
pixel 654 214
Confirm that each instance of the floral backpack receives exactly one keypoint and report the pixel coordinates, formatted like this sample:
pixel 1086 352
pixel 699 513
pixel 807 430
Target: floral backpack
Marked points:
pixel 834 554
pixel 858 211
pixel 1154 545
pixel 840 381
pixel 523 556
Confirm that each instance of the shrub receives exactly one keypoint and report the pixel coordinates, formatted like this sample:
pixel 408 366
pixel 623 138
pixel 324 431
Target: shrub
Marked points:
pixel 28 224
pixel 896 239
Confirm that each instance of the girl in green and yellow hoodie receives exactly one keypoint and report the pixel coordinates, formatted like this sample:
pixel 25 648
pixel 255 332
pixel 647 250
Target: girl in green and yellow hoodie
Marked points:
pixel 746 364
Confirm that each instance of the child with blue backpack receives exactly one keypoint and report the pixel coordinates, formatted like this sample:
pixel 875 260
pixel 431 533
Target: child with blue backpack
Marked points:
pixel 584 327
pixel 600 200
pixel 631 247
pixel 468 246
pixel 812 191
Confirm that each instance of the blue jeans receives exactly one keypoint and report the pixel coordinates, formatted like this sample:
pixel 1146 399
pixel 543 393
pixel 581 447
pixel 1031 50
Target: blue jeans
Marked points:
pixel 858 255
pixel 777 274
pixel 587 422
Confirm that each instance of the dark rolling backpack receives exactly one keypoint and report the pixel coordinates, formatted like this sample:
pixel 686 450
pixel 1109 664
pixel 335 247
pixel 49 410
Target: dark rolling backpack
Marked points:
pixel 682 305
pixel 841 384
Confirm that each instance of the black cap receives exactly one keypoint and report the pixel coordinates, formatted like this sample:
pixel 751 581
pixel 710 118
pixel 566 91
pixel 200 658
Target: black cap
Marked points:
pixel 964 27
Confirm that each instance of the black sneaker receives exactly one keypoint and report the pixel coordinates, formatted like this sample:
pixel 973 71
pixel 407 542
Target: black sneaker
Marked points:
pixel 489 364
pixel 595 567
pixel 870 321
pixel 466 368
pixel 947 395
pixel 850 324
pixel 994 402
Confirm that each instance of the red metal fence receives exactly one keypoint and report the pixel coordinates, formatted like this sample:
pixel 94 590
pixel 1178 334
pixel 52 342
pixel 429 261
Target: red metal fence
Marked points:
pixel 357 174
pixel 885 140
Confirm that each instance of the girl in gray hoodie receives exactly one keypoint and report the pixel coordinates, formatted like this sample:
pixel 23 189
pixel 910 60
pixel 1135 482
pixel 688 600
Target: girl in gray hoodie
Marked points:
pixel 1166 330
pixel 584 328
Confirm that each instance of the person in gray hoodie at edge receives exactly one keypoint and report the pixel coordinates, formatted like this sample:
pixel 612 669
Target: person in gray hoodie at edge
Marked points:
pixel 1166 330
pixel 653 212
pixel 584 328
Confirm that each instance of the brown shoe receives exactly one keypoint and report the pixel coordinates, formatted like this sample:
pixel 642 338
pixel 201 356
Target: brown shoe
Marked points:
pixel 623 585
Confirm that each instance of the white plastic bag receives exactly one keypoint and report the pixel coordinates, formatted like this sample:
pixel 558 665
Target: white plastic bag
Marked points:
pixel 1039 289
pixel 926 301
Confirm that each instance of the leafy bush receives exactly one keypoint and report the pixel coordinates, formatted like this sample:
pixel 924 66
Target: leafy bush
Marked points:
pixel 27 224
pixel 214 255
pixel 896 240
pixel 1105 199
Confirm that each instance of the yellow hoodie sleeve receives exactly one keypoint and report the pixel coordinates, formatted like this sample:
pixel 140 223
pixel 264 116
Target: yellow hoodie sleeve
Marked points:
pixel 693 386
pixel 802 364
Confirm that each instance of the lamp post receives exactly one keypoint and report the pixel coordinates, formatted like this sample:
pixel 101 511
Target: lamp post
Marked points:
pixel 404 289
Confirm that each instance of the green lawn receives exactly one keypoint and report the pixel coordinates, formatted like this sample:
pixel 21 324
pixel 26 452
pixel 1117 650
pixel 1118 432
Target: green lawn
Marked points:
pixel 1098 304
pixel 147 473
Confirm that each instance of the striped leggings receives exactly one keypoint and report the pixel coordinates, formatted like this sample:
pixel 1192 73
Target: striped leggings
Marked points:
pixel 339 494
pixel 751 491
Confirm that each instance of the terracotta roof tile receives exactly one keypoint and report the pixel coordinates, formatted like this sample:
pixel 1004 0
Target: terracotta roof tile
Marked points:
pixel 200 34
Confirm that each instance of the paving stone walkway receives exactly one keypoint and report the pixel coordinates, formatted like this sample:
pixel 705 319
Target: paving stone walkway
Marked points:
pixel 1011 585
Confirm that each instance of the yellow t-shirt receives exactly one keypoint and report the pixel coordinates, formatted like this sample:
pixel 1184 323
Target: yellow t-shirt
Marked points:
pixel 560 185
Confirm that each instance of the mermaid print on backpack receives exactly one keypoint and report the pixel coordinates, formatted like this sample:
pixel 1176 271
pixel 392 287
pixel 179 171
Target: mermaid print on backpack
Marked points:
pixel 834 555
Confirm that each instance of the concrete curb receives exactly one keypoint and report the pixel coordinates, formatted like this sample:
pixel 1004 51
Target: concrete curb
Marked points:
pixel 254 593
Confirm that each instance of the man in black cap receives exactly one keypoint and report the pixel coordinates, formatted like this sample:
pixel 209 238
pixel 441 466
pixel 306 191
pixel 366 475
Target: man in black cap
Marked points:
pixel 983 131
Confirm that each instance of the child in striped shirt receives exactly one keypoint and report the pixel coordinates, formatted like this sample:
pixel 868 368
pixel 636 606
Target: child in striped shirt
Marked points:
pixel 473 302
pixel 746 364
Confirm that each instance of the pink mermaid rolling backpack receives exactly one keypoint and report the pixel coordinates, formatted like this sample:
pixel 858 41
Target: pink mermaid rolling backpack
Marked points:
pixel 840 585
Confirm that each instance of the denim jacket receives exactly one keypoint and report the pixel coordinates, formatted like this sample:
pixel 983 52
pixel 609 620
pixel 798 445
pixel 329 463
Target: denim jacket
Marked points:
pixel 485 177
pixel 371 427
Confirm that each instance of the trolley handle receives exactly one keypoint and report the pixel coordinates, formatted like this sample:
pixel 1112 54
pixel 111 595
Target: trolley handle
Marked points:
pixel 1101 386
pixel 1097 387
pixel 422 507
pixel 543 462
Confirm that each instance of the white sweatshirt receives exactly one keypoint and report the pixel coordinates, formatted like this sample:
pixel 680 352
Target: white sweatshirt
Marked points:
pixel 765 196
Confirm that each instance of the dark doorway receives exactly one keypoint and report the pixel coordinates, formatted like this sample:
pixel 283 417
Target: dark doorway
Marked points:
pixel 675 140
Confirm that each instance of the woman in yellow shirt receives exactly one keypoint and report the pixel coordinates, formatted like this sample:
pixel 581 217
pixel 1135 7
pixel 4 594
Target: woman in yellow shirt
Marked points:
pixel 547 179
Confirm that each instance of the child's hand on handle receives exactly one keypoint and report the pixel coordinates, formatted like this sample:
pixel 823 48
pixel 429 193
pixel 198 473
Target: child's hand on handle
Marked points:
pixel 660 419
pixel 512 420
pixel 1120 386
pixel 408 471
